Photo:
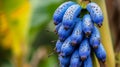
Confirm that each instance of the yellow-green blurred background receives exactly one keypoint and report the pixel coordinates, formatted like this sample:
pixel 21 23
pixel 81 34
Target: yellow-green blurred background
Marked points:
pixel 26 32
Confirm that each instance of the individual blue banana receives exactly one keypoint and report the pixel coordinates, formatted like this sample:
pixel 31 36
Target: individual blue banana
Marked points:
pixel 100 53
pixel 70 15
pixel 75 59
pixel 64 61
pixel 59 12
pixel 57 28
pixel 84 49
pixel 58 46
pixel 63 34
pixel 87 25
pixel 95 38
pixel 67 48
pixel 88 62
pixel 77 33
pixel 96 13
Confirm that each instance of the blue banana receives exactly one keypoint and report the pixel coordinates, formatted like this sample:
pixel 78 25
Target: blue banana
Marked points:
pixel 77 33
pixel 58 46
pixel 63 34
pixel 84 49
pixel 96 13
pixel 75 59
pixel 95 38
pixel 57 28
pixel 88 62
pixel 59 12
pixel 100 53
pixel 70 15
pixel 64 61
pixel 67 48
pixel 87 25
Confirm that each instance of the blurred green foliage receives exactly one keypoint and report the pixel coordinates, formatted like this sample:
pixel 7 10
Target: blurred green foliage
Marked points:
pixel 40 21
pixel 42 11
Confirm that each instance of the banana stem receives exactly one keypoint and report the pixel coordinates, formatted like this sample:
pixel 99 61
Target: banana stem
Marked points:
pixel 106 36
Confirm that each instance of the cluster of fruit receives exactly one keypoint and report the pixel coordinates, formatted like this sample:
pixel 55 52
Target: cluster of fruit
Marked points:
pixel 78 36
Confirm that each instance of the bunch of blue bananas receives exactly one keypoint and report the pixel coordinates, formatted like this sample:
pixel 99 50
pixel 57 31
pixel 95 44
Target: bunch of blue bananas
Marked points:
pixel 78 36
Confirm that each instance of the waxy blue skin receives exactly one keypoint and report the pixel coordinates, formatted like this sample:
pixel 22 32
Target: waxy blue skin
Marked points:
pixel 57 27
pixel 58 46
pixel 100 53
pixel 64 61
pixel 95 37
pixel 59 12
pixel 77 33
pixel 62 65
pixel 75 59
pixel 88 62
pixel 95 12
pixel 63 34
pixel 70 15
pixel 87 24
pixel 67 48
pixel 84 48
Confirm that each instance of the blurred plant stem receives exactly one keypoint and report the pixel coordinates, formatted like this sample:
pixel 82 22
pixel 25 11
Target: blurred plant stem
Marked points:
pixel 40 54
pixel 105 36
pixel 20 43
pixel 14 15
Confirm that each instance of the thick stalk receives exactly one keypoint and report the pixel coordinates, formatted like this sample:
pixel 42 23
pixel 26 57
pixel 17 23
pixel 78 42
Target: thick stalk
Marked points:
pixel 106 36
